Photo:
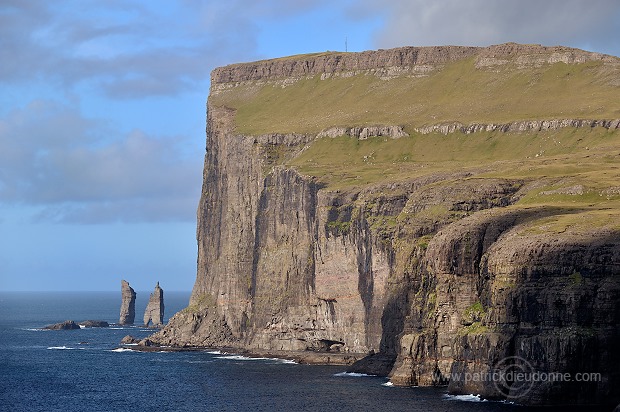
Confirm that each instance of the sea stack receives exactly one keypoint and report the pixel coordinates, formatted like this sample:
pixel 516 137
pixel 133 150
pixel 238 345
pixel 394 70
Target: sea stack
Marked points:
pixel 128 304
pixel 155 309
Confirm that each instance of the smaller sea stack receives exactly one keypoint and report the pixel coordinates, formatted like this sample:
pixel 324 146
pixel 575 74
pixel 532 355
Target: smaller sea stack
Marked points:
pixel 154 313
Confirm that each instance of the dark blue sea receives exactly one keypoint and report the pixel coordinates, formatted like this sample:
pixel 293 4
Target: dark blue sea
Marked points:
pixel 83 370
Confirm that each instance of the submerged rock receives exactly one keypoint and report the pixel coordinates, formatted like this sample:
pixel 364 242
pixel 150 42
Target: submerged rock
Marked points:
pixel 94 324
pixel 155 309
pixel 128 304
pixel 66 325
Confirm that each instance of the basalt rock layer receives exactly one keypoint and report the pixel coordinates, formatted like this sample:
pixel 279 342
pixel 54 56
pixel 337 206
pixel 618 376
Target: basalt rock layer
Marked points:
pixel 154 313
pixel 128 304
pixel 443 250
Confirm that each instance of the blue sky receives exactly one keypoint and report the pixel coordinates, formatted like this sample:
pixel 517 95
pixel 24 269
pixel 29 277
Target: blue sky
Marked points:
pixel 102 112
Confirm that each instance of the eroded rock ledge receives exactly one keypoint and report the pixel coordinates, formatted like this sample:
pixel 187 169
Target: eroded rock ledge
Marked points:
pixel 396 132
pixel 363 133
pixel 386 64
pixel 524 126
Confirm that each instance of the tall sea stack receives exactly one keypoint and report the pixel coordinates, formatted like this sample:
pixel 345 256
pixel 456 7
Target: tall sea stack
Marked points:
pixel 128 304
pixel 155 309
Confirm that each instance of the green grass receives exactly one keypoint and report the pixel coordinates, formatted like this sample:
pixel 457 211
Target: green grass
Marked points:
pixel 458 92
pixel 344 161
pixel 595 216
pixel 474 313
pixel 476 328
pixel 576 278
pixel 338 228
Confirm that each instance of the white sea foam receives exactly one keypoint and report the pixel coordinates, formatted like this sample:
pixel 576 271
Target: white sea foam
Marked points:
pixel 239 357
pixel 35 329
pixel 59 347
pixel 464 398
pixel 352 374
pixel 82 326
pixel 286 361
pixel 214 352
pixel 249 358
pixel 122 350
pixel 390 384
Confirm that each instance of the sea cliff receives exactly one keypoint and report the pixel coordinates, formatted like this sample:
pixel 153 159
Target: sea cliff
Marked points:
pixel 424 208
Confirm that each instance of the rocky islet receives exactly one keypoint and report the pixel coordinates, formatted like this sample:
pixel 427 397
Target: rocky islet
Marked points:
pixel 66 325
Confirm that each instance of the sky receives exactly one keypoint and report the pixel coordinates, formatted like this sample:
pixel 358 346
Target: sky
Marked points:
pixel 102 112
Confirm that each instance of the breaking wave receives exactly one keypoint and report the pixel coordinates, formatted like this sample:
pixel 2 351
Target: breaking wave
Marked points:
pixel 239 357
pixel 353 374
pixel 287 361
pixel 122 350
pixel 464 398
pixel 249 358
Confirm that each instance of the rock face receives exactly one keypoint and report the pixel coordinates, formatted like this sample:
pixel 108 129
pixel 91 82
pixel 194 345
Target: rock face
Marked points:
pixel 94 324
pixel 128 304
pixel 442 276
pixel 129 340
pixel 544 301
pixel 66 325
pixel 393 62
pixel 154 313
pixel 534 125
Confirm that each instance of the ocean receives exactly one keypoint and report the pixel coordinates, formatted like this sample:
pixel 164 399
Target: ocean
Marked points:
pixel 83 370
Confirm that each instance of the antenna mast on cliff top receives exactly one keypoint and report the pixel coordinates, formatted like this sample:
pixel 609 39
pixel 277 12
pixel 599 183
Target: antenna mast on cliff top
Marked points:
pixel 346 46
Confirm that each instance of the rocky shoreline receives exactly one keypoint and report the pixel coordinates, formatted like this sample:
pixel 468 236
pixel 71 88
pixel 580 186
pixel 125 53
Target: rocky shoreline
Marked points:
pixel 301 357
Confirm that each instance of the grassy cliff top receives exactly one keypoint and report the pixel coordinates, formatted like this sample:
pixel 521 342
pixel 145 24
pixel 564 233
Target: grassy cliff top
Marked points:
pixel 468 85
pixel 415 87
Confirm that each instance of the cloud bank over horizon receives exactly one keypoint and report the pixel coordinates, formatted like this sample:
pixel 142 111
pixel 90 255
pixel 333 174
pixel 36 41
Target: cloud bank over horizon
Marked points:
pixel 576 23
pixel 78 169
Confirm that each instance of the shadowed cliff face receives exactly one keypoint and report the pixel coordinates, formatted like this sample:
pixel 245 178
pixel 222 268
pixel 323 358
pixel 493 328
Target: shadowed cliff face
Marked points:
pixel 497 291
pixel 444 268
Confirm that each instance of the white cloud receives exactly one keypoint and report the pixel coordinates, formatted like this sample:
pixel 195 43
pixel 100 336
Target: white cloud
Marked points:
pixel 81 169
pixel 579 23
pixel 132 49
pixel 77 169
